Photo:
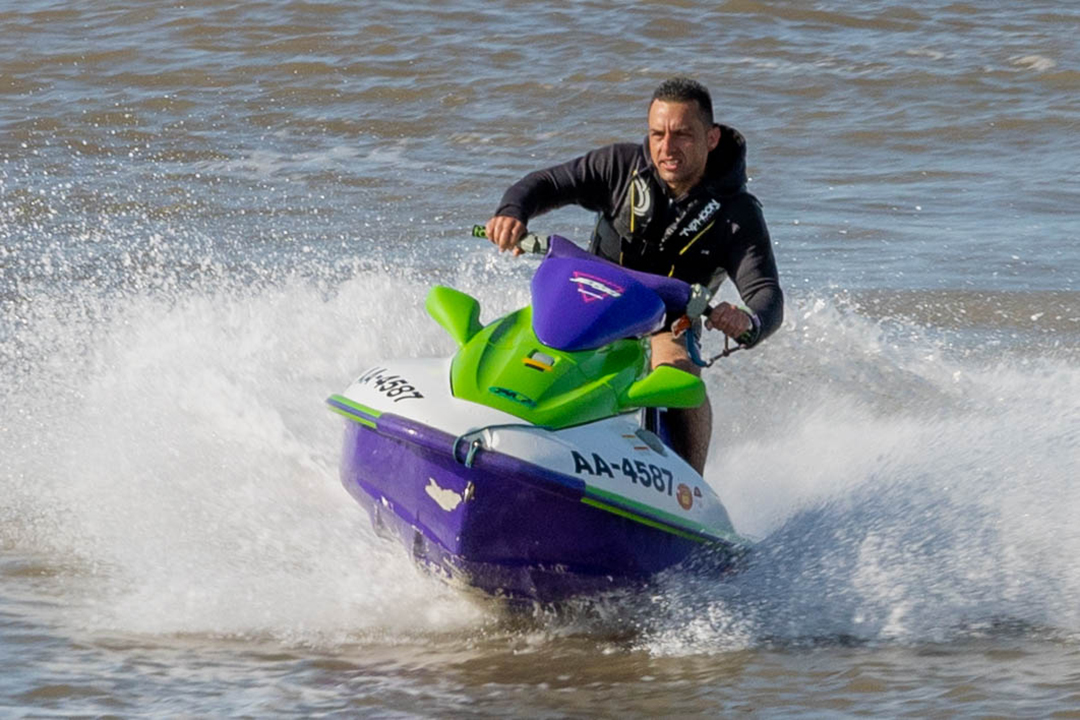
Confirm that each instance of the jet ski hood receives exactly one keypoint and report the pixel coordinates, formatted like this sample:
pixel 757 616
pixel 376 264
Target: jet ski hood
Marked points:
pixel 583 302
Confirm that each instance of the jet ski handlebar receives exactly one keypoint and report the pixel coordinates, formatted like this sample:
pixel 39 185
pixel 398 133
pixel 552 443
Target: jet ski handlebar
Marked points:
pixel 696 307
pixel 531 243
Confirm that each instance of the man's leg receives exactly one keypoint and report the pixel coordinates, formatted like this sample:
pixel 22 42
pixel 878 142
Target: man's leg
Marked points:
pixel 691 428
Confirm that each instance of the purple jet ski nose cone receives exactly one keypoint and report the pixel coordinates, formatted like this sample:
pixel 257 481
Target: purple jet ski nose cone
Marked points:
pixel 583 303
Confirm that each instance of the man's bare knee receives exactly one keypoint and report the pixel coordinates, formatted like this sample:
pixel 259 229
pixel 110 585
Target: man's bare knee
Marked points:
pixel 691 427
pixel 669 350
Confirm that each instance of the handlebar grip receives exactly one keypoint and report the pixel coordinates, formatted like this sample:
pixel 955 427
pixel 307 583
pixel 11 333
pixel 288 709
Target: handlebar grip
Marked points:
pixel 533 243
pixel 698 304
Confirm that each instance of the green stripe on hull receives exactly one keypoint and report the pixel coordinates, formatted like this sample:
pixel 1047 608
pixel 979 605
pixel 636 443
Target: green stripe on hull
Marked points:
pixel 666 521
pixel 353 410
pixel 644 521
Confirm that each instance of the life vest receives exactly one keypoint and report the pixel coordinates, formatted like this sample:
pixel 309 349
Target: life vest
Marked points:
pixel 647 231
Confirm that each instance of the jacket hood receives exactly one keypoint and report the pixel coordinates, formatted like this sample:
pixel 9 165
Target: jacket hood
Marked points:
pixel 725 170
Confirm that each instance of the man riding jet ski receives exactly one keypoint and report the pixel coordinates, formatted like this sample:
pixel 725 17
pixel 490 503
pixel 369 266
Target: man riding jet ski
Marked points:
pixel 676 205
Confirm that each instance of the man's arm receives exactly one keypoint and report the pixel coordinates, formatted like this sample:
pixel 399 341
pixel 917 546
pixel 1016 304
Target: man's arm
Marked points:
pixel 752 267
pixel 592 181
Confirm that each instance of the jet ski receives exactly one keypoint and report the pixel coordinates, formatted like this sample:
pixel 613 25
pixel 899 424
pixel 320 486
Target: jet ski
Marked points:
pixel 531 464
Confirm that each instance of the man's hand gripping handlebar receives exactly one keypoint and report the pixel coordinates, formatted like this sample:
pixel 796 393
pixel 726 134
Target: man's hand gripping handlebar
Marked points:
pixel 521 243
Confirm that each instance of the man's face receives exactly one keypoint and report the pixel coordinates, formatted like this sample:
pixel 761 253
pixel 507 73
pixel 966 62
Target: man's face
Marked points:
pixel 679 143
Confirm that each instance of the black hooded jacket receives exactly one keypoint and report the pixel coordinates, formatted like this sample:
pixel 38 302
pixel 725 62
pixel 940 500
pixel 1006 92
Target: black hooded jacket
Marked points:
pixel 714 230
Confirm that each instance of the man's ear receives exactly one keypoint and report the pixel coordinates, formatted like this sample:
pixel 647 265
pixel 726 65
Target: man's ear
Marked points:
pixel 713 137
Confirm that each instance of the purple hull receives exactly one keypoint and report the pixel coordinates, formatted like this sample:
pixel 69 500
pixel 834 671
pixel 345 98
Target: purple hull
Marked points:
pixel 504 526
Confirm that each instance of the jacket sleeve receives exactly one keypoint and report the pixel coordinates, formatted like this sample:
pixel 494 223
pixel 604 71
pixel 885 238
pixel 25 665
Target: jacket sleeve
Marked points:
pixel 752 267
pixel 592 181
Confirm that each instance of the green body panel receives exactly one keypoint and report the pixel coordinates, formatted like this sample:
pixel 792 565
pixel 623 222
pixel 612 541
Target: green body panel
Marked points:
pixel 458 313
pixel 505 366
pixel 665 386
pixel 491 369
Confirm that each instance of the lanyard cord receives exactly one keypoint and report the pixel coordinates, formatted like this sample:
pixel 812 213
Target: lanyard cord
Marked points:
pixel 693 348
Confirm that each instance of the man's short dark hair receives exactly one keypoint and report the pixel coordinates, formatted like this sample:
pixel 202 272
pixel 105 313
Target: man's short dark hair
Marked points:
pixel 685 90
